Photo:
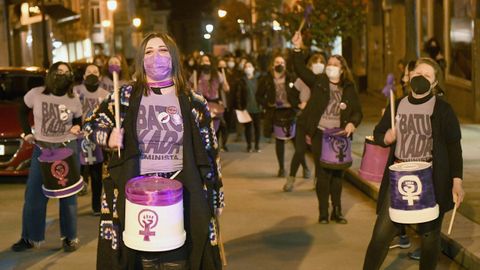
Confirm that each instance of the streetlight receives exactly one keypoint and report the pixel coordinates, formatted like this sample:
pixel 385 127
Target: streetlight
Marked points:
pixel 209 28
pixel 106 23
pixel 222 13
pixel 137 22
pixel 112 6
pixel 207 36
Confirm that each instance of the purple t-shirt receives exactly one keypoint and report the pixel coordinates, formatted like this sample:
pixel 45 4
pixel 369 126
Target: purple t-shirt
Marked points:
pixel 414 130
pixel 90 100
pixel 53 115
pixel 160 133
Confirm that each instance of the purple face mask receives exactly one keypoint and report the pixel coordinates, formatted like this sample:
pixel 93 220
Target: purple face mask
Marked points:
pixel 158 67
pixel 112 68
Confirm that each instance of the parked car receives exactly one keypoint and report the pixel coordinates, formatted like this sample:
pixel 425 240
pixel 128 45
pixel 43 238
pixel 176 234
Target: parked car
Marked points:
pixel 15 82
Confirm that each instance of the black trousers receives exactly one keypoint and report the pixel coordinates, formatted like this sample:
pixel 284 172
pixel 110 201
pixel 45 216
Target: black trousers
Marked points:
pixel 94 171
pixel 222 132
pixel 329 185
pixel 299 154
pixel 384 232
pixel 253 127
pixel 329 181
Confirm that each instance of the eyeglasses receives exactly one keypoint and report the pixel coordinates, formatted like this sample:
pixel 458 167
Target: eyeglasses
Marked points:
pixel 62 72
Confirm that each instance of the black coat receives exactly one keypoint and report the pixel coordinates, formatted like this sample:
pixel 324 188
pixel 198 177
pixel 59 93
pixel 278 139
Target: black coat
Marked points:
pixel 266 96
pixel 320 96
pixel 447 153
pixel 197 174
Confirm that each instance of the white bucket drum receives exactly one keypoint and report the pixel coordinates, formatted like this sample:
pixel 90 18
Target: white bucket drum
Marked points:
pixel 154 214
pixel 412 197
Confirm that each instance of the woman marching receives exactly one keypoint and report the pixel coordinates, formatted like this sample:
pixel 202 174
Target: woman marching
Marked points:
pixel 57 114
pixel 279 99
pixel 432 138
pixel 91 156
pixel 160 116
pixel 210 84
pixel 316 63
pixel 245 91
pixel 336 106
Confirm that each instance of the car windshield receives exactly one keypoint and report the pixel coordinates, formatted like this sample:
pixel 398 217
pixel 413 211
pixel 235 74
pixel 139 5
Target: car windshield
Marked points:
pixel 14 86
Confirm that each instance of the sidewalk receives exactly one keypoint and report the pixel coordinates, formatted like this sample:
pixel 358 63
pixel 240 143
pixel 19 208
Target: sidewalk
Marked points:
pixel 463 245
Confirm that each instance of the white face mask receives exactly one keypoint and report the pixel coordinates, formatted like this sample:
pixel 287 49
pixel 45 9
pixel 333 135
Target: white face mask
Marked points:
pixel 231 64
pixel 333 72
pixel 318 68
pixel 249 71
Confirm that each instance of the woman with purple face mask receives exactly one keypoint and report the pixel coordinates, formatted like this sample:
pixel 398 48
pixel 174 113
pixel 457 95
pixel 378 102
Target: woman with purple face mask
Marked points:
pixel 166 132
pixel 115 64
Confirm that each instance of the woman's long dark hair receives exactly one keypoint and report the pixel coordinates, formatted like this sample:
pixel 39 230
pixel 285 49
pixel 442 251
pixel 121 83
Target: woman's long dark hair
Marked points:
pixel 346 74
pixel 177 69
pixel 50 79
pixel 213 68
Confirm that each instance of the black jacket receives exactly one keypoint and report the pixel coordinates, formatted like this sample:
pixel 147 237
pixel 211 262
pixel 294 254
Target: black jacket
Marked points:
pixel 320 96
pixel 266 96
pixel 447 153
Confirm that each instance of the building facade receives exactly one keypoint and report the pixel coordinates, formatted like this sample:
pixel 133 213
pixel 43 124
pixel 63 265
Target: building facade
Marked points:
pixel 398 30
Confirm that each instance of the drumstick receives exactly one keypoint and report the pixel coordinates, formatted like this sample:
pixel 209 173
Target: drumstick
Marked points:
pixel 392 109
pixel 195 80
pixel 221 249
pixel 301 25
pixel 224 76
pixel 452 218
pixel 175 174
pixel 116 96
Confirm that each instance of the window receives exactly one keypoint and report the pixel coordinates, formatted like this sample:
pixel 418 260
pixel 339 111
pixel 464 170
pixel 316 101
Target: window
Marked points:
pixel 460 21
pixel 95 14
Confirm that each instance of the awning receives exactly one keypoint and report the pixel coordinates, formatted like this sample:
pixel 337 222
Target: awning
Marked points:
pixel 61 14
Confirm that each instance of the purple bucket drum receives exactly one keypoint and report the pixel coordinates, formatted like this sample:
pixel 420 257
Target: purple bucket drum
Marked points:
pixel 374 160
pixel 154 214
pixel 61 175
pixel 90 153
pixel 284 133
pixel 412 197
pixel 336 150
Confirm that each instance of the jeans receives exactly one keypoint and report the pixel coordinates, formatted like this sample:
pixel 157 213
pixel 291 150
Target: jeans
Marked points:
pixel 35 205
pixel 384 232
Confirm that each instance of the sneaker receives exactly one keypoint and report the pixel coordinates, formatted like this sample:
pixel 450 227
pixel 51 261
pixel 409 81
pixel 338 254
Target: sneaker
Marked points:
pixel 249 150
pixel 70 245
pixel 257 150
pixel 281 173
pixel 401 241
pixel 22 245
pixel 306 173
pixel 415 255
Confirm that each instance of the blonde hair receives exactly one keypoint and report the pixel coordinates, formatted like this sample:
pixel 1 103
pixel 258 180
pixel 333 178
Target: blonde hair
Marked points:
pixel 437 72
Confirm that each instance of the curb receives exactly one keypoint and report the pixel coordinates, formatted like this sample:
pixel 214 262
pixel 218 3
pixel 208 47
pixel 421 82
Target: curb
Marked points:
pixel 450 247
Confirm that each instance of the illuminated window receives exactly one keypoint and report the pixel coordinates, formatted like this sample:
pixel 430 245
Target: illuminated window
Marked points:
pixel 460 20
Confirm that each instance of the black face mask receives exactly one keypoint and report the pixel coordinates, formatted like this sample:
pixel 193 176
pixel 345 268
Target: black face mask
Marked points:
pixel 91 82
pixel 420 85
pixel 61 84
pixel 433 51
pixel 205 69
pixel 279 68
